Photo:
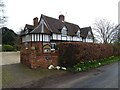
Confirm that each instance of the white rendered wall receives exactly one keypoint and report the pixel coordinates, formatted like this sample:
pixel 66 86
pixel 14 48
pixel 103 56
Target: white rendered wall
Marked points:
pixel 26 38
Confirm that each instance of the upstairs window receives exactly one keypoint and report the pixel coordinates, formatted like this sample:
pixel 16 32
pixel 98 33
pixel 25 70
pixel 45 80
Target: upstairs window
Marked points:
pixel 26 30
pixel 84 40
pixel 89 36
pixel 64 31
pixel 78 33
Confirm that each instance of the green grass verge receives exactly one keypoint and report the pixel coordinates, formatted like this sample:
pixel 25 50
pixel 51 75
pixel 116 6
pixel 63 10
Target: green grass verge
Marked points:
pixel 83 66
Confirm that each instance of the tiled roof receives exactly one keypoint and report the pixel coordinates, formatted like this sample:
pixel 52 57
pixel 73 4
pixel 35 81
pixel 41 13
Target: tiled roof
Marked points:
pixel 84 31
pixel 38 30
pixel 56 25
pixel 29 28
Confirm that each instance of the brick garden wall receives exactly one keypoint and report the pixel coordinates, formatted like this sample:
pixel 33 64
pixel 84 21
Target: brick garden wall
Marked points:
pixel 34 57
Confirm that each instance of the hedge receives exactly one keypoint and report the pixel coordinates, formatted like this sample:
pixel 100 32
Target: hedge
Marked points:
pixel 116 49
pixel 72 53
pixel 7 48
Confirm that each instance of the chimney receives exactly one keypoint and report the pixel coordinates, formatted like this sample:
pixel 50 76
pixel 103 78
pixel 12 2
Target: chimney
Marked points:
pixel 35 22
pixel 61 17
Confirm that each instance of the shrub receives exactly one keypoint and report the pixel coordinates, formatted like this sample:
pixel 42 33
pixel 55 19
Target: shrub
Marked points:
pixel 17 47
pixel 7 48
pixel 72 53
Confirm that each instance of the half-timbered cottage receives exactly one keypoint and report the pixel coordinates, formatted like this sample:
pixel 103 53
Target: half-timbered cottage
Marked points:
pixel 48 32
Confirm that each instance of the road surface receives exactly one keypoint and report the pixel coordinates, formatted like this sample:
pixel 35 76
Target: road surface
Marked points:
pixel 102 77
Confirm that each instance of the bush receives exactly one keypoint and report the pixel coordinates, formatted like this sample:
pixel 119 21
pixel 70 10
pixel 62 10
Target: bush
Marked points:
pixel 116 49
pixel 72 53
pixel 16 47
pixel 7 48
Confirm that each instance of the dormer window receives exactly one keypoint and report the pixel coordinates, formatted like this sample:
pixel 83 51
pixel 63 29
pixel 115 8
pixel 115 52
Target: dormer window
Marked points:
pixel 64 31
pixel 78 33
pixel 89 36
pixel 26 31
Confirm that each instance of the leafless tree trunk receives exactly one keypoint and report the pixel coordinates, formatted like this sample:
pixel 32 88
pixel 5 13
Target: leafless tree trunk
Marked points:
pixel 118 34
pixel 3 18
pixel 104 31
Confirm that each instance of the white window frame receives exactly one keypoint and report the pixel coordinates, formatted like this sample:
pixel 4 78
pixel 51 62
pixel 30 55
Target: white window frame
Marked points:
pixel 84 40
pixel 59 37
pixel 64 31
pixel 78 33
pixel 46 38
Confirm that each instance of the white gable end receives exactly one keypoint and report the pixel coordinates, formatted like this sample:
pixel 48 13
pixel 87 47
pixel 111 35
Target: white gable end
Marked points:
pixel 89 37
pixel 64 31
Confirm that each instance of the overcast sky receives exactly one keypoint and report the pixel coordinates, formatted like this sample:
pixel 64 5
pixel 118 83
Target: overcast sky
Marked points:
pixel 80 12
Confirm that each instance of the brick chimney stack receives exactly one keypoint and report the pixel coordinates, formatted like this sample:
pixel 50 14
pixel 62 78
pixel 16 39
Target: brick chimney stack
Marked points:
pixel 61 17
pixel 35 22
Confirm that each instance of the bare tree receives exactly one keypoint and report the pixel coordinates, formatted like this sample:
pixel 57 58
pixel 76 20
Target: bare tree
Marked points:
pixel 3 18
pixel 118 34
pixel 104 31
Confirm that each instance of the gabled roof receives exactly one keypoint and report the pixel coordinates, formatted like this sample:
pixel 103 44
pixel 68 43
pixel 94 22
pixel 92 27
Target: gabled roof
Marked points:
pixel 38 30
pixel 55 26
pixel 29 28
pixel 84 31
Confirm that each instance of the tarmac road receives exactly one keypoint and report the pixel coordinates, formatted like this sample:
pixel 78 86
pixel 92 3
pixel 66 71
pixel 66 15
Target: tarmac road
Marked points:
pixel 102 77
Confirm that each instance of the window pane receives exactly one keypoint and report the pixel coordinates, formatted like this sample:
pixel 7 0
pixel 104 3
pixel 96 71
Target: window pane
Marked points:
pixel 64 32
